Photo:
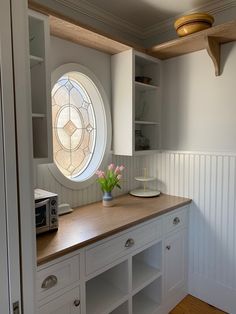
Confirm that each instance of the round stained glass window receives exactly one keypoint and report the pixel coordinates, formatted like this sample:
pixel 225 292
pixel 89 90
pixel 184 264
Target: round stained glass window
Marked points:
pixel 74 126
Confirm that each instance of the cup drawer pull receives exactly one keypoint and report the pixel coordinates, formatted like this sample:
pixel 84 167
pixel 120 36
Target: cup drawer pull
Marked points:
pixel 176 221
pixel 129 242
pixel 49 282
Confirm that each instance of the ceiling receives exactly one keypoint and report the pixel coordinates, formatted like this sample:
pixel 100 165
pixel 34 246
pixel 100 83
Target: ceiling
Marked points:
pixel 138 20
pixel 146 13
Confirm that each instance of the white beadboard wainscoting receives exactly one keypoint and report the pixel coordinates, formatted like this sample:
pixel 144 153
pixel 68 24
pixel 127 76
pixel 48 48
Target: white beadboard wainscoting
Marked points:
pixel 45 180
pixel 209 179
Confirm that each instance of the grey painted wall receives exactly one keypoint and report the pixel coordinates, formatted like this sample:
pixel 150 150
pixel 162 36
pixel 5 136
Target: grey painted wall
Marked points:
pixel 100 64
pixel 199 109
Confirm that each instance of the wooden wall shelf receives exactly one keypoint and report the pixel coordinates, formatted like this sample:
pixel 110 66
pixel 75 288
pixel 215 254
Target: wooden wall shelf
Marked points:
pixel 209 39
pixel 80 35
pixel 66 28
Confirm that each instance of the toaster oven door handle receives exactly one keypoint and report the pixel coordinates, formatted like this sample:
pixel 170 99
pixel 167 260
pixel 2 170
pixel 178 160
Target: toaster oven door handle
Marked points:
pixel 42 203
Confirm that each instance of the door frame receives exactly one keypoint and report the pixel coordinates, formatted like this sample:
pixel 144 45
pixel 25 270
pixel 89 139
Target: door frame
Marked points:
pixel 9 168
pixel 23 119
pixel 4 286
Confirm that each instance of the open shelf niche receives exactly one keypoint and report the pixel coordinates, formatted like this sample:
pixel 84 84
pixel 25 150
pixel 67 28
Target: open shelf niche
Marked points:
pixel 146 267
pixel 40 86
pixel 136 80
pixel 148 299
pixel 105 292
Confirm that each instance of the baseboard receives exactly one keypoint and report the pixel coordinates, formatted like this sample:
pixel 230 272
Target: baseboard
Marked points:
pixel 213 293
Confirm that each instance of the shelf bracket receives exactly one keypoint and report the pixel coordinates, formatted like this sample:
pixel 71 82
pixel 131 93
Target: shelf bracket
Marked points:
pixel 213 49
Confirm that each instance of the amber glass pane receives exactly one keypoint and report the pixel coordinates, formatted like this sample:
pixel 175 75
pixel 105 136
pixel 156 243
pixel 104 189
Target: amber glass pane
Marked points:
pixel 74 126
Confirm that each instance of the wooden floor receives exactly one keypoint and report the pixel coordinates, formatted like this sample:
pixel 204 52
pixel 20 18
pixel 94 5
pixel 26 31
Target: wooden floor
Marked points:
pixel 192 305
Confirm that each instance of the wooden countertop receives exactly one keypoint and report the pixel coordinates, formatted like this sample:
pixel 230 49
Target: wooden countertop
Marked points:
pixel 93 222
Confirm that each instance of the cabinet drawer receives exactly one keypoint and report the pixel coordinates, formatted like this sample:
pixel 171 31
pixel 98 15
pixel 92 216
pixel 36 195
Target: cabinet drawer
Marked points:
pixel 67 303
pixel 57 276
pixel 176 220
pixel 106 252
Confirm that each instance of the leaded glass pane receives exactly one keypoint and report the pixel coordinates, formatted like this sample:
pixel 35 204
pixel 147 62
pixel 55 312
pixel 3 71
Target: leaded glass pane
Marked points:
pixel 74 126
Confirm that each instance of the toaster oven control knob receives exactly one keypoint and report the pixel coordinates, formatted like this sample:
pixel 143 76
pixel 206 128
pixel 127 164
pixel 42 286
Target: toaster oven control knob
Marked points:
pixel 53 211
pixel 53 202
pixel 53 220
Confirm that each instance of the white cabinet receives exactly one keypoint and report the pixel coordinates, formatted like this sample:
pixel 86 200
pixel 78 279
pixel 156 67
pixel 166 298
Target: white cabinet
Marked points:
pixel 67 303
pixel 99 255
pixel 140 271
pixel 175 258
pixel 136 103
pixel 57 276
pixel 175 268
pixel 39 38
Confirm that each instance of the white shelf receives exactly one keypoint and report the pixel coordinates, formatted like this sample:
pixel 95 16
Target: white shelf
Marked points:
pixel 145 87
pixel 139 102
pixel 146 122
pixel 34 60
pixel 122 309
pixel 143 275
pixel 102 296
pixel 148 299
pixel 38 115
pixel 39 46
pixel 142 304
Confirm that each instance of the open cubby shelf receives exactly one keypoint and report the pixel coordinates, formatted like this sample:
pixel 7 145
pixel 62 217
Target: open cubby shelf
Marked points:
pixel 107 291
pixel 139 281
pixel 148 299
pixel 136 102
pixel 40 87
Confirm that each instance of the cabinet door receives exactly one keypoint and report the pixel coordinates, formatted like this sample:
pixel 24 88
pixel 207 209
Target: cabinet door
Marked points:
pixel 175 262
pixel 67 303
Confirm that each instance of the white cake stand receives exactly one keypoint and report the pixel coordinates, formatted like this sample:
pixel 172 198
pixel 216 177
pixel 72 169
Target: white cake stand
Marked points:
pixel 144 191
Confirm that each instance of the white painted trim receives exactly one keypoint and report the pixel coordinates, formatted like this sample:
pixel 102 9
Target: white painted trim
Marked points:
pixel 166 25
pixel 95 12
pixel 92 11
pixel 24 152
pixel 4 284
pixel 104 145
pixel 9 154
pixel 198 152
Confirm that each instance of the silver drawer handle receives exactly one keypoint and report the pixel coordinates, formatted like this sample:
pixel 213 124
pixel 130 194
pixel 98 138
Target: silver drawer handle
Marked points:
pixel 49 282
pixel 129 242
pixel 168 247
pixel 77 302
pixel 176 221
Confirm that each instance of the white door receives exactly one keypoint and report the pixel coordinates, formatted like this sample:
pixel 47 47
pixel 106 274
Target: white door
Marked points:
pixel 175 262
pixel 68 303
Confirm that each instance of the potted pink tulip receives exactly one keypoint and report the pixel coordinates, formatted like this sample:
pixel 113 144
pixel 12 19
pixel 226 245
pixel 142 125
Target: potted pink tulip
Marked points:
pixel 108 181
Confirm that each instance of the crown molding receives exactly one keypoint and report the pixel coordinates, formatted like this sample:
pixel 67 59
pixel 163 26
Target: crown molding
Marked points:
pixel 94 12
pixel 113 22
pixel 210 8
